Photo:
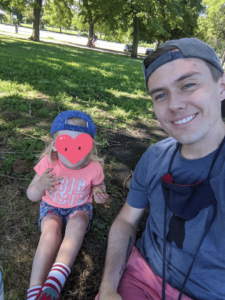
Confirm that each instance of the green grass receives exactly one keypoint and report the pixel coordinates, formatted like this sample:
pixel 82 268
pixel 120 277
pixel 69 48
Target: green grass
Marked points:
pixel 110 84
pixel 37 81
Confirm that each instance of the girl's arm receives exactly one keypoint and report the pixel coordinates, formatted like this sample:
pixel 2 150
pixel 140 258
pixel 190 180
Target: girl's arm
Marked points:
pixel 39 184
pixel 35 192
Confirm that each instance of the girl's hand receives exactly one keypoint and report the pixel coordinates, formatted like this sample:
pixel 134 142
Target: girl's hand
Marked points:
pixel 100 197
pixel 47 181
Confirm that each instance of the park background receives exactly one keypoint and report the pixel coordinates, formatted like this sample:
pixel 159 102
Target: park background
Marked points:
pixel 39 79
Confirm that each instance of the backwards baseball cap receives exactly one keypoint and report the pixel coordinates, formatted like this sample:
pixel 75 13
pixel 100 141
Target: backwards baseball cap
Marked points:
pixel 60 122
pixel 188 47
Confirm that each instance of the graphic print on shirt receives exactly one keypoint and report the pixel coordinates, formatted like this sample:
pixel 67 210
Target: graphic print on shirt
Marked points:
pixel 70 191
pixel 176 232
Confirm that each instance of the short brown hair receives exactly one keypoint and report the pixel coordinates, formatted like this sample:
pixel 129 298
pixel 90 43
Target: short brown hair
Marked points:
pixel 216 74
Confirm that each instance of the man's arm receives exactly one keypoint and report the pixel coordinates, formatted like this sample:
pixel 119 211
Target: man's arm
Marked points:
pixel 121 238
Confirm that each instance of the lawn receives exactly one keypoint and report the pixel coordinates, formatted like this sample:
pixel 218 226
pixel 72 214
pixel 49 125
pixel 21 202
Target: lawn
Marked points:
pixel 37 81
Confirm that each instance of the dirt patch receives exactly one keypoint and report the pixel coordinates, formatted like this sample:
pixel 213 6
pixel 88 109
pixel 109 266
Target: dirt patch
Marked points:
pixel 20 166
pixel 18 218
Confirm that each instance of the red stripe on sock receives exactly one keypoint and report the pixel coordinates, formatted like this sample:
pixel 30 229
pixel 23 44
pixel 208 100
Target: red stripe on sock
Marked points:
pixel 51 286
pixel 61 271
pixel 58 265
pixel 54 279
pixel 31 291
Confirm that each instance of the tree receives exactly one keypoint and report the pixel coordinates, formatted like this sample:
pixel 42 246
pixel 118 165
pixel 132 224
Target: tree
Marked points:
pixel 213 5
pixel 97 12
pixel 211 27
pixel 36 5
pixel 169 19
pixel 158 20
pixel 58 12
pixel 28 15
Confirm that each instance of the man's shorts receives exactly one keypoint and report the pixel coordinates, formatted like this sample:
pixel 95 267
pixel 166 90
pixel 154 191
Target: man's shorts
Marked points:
pixel 140 283
pixel 64 213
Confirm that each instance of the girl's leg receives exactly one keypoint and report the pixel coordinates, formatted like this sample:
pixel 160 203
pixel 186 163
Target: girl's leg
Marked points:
pixel 51 237
pixel 75 231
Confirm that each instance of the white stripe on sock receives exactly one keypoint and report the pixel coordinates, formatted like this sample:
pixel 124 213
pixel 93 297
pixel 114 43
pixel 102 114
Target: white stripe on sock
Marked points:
pixel 57 271
pixel 31 295
pixel 57 265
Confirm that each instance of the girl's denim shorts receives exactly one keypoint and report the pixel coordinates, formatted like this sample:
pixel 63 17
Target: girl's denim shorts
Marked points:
pixel 64 213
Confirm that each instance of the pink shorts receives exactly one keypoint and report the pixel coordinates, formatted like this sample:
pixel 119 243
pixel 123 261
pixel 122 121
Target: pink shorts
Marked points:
pixel 140 283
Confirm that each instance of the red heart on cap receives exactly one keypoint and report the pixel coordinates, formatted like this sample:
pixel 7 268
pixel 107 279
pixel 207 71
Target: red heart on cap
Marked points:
pixel 74 149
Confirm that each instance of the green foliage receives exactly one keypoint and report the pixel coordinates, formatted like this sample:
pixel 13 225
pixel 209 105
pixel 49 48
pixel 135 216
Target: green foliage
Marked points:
pixel 211 26
pixel 169 19
pixel 213 5
pixel 5 4
pixel 58 13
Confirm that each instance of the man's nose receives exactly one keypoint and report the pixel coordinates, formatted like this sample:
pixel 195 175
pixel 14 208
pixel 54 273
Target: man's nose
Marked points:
pixel 176 101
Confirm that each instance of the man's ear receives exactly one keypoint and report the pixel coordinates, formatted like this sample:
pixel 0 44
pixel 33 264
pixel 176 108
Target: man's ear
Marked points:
pixel 222 88
pixel 53 145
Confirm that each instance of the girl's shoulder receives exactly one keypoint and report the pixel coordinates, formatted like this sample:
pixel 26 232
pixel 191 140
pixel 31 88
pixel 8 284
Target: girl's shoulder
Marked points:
pixel 45 162
pixel 95 164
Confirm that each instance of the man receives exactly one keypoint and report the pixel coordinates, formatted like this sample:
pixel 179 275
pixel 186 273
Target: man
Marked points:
pixel 94 39
pixel 181 252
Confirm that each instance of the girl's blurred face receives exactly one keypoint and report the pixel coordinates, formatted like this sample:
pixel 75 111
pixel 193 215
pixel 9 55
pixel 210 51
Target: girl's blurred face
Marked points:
pixel 79 165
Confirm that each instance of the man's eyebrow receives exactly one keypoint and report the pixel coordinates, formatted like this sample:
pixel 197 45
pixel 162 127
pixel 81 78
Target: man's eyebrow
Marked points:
pixel 153 91
pixel 188 75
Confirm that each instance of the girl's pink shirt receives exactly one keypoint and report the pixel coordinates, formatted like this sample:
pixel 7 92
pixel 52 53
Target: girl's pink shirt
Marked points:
pixel 76 187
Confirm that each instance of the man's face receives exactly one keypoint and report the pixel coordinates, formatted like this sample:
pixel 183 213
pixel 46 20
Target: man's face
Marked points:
pixel 187 102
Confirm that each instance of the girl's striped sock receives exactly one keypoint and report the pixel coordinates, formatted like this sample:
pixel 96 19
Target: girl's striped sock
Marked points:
pixel 32 292
pixel 54 282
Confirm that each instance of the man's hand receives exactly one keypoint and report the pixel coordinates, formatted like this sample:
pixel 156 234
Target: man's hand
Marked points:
pixel 48 181
pixel 122 236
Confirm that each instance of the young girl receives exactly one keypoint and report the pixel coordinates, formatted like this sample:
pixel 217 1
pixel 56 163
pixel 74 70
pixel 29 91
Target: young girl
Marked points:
pixel 66 187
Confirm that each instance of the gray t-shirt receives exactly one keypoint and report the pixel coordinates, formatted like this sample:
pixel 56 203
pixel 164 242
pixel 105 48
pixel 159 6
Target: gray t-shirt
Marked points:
pixel 207 278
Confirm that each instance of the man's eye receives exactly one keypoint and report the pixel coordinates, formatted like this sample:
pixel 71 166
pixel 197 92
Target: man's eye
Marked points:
pixel 187 86
pixel 160 96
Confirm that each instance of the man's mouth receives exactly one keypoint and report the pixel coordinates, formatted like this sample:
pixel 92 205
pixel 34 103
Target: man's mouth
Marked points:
pixel 185 120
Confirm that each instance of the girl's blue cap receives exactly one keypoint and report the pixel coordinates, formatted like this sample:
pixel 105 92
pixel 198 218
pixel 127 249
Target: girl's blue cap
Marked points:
pixel 60 122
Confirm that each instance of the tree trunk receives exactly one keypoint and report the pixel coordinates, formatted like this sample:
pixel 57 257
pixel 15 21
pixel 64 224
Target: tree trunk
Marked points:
pixel 60 29
pixel 223 59
pixel 135 37
pixel 36 19
pixel 91 32
pixel 1 18
pixel 157 44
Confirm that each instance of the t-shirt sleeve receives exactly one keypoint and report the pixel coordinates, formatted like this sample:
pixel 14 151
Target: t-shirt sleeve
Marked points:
pixel 42 165
pixel 99 175
pixel 138 191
